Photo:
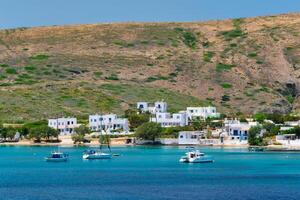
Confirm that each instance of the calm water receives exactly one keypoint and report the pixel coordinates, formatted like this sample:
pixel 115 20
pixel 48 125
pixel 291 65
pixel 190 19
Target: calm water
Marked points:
pixel 148 173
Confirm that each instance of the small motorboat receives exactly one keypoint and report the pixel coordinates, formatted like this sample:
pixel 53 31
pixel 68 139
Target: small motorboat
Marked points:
pixel 57 157
pixel 256 149
pixel 96 154
pixel 195 156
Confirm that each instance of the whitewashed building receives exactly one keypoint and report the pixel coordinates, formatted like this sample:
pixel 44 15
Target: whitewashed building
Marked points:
pixel 170 120
pixel 65 126
pixel 108 122
pixel 288 140
pixel 159 106
pixel 190 137
pixel 202 112
pixel 238 131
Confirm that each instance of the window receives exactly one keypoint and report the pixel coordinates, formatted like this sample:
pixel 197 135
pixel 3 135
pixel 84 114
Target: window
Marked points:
pixel 68 122
pixel 181 136
pixel 235 132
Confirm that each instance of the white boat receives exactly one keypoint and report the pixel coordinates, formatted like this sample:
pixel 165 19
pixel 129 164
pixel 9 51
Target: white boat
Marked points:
pixel 57 157
pixel 96 154
pixel 196 156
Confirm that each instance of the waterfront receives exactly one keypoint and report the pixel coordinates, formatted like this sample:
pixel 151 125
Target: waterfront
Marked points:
pixel 146 172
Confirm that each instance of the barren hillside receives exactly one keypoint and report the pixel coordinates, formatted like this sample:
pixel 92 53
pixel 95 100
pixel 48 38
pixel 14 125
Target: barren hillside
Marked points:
pixel 241 66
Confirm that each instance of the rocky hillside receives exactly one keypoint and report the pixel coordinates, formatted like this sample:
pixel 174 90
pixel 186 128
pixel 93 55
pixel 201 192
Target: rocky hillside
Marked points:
pixel 240 65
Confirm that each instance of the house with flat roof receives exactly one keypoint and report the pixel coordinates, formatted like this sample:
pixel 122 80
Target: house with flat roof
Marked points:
pixel 158 106
pixel 170 120
pixel 190 137
pixel 202 112
pixel 238 131
pixel 108 122
pixel 65 126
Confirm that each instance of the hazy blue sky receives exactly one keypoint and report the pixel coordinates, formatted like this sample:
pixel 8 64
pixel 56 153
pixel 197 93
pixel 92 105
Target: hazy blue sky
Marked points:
pixel 21 13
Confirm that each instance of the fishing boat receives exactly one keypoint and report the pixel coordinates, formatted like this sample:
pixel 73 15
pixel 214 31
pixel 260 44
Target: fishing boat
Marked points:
pixel 57 157
pixel 195 156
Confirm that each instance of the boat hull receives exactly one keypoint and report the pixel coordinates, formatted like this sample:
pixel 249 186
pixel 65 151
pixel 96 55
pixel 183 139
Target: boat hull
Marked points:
pixel 97 156
pixel 56 159
pixel 204 159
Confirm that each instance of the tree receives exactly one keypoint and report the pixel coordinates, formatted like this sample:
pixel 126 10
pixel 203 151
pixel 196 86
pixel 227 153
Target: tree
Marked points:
pixel 136 120
pixel 253 136
pixel 271 129
pixel 78 138
pixel 82 130
pixel 35 134
pixel 260 117
pixel 149 131
pixel 79 135
pixel 3 132
pixel 198 124
pixel 11 132
pixel 24 131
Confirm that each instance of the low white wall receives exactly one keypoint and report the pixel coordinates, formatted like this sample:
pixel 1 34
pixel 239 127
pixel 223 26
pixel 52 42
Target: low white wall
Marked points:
pixel 169 141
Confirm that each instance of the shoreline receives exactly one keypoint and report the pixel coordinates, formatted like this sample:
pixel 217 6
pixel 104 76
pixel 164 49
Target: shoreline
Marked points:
pixel 270 148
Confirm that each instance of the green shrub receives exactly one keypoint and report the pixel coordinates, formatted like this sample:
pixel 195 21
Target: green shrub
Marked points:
pixel 4 65
pixel 11 71
pixel 225 98
pixel 30 68
pixel 97 74
pixel 220 67
pixel 207 56
pixel 252 54
pixel 39 57
pixel 189 39
pixel 226 85
pixel 113 77
pixel 156 77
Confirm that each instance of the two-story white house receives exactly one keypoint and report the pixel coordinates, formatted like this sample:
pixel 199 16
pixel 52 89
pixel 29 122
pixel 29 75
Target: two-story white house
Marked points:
pixel 108 123
pixel 159 106
pixel 65 126
pixel 202 112
pixel 170 120
pixel 238 131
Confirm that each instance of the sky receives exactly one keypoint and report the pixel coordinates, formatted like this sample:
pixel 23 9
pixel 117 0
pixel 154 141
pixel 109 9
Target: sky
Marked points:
pixel 30 13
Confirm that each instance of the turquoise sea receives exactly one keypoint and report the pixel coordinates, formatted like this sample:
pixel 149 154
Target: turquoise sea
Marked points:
pixel 148 173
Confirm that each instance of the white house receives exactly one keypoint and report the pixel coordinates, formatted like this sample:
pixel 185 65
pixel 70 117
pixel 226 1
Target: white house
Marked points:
pixel 238 131
pixel 190 137
pixel 108 122
pixel 170 120
pixel 64 125
pixel 288 140
pixel 202 112
pixel 159 106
